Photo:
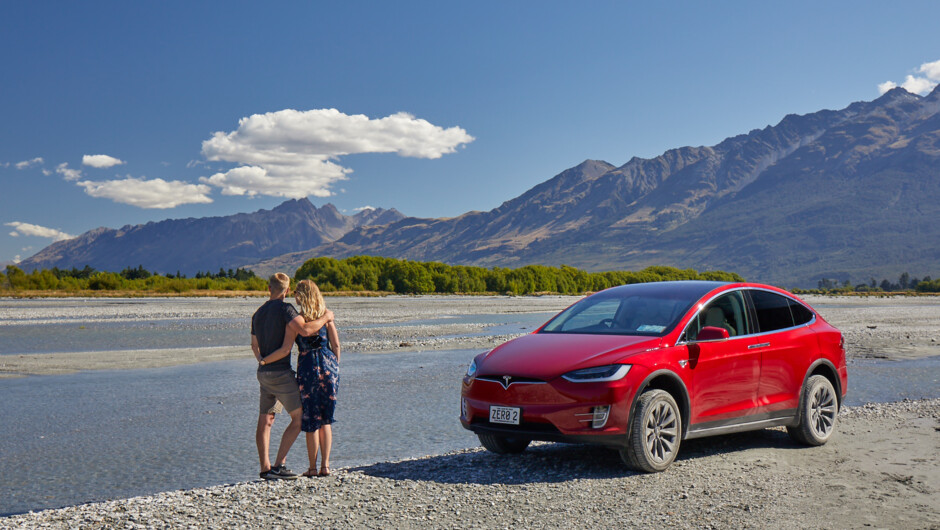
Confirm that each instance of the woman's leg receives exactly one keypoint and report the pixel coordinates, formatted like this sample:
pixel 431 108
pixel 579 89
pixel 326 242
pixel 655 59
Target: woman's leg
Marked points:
pixel 326 443
pixel 313 442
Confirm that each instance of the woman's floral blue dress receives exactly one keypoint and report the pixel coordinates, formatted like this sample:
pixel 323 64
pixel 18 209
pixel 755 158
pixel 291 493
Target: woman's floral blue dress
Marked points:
pixel 318 379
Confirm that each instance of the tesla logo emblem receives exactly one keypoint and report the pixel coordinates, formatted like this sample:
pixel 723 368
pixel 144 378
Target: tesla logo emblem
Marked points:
pixel 507 380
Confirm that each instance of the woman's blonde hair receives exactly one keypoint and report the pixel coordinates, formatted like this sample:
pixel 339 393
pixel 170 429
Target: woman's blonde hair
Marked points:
pixel 308 297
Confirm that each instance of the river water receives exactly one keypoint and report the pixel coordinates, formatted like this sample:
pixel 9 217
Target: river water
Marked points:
pixel 89 436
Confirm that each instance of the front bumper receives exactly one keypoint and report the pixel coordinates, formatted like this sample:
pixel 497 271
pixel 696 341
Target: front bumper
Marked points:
pixel 555 411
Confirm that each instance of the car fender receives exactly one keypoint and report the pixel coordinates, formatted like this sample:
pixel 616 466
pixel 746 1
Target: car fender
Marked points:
pixel 676 386
pixel 833 376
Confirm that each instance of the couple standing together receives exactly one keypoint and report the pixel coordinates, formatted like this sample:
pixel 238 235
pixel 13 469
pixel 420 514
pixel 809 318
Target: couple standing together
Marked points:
pixel 309 396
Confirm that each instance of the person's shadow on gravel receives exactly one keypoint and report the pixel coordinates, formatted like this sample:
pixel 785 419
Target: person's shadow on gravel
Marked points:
pixel 556 462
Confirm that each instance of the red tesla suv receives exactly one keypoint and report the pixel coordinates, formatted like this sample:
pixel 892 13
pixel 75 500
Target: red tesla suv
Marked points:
pixel 642 367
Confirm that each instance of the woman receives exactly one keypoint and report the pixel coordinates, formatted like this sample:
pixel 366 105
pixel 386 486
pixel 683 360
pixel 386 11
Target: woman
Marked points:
pixel 317 376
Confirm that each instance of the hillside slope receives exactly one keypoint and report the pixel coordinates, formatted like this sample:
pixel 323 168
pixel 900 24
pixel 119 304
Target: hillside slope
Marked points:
pixel 207 244
pixel 837 194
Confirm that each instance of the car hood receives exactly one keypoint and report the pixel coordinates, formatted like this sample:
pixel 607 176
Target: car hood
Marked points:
pixel 548 355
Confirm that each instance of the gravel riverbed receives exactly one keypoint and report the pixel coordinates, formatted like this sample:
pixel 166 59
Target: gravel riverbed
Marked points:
pixel 879 470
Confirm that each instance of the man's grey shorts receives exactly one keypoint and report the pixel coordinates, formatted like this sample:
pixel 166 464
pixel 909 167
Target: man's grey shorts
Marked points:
pixel 277 389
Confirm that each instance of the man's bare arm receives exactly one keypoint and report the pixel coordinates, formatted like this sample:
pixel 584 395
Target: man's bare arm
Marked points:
pixel 306 329
pixel 255 348
pixel 284 350
pixel 333 335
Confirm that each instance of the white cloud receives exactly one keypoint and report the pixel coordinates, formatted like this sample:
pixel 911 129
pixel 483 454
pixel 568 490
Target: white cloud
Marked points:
pixel 101 161
pixel 932 70
pixel 305 178
pixel 26 229
pixel 289 153
pixel 17 258
pixel 917 85
pixel 69 174
pixel 363 208
pixel 886 86
pixel 29 163
pixel 155 193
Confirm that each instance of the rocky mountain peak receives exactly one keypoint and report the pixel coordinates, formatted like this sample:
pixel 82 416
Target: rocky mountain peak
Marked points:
pixel 295 205
pixel 897 97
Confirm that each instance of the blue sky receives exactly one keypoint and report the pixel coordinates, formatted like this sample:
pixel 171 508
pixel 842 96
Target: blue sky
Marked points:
pixel 214 108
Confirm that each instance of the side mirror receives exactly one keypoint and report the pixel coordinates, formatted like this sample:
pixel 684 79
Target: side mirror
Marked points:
pixel 712 333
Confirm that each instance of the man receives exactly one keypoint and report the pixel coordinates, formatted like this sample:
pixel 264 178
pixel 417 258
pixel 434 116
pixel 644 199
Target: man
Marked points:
pixel 278 383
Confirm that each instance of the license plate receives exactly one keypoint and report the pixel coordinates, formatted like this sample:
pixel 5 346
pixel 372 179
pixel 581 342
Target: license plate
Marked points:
pixel 508 415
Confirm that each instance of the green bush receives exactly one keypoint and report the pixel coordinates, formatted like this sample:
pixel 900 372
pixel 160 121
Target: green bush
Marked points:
pixel 104 281
pixel 413 277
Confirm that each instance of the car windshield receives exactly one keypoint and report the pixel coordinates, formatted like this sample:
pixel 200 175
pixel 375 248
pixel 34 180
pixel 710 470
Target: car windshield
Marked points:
pixel 651 309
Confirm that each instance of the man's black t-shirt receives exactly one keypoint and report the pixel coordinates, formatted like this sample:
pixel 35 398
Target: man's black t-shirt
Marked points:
pixel 268 325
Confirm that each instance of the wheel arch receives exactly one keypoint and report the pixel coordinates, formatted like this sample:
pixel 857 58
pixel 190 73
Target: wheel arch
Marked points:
pixel 825 368
pixel 670 382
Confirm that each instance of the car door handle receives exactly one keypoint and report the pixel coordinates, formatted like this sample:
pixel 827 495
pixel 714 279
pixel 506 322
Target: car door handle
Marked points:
pixel 760 345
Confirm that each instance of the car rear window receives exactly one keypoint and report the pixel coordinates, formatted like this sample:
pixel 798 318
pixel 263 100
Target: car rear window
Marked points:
pixel 801 313
pixel 773 310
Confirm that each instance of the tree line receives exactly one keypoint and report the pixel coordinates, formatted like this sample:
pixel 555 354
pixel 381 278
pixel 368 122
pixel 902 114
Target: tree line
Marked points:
pixel 370 273
pixel 136 279
pixel 905 283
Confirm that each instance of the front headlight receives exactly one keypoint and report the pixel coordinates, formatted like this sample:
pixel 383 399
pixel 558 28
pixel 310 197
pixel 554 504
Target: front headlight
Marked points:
pixel 472 369
pixel 598 374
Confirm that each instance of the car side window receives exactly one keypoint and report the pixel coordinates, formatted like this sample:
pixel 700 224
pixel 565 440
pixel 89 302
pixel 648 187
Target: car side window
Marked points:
pixel 727 312
pixel 773 311
pixel 801 313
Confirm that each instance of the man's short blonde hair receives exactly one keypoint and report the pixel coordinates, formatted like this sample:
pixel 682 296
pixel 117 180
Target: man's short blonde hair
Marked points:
pixel 279 282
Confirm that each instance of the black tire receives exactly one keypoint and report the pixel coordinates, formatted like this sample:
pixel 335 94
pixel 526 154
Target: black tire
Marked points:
pixel 819 408
pixel 500 444
pixel 655 433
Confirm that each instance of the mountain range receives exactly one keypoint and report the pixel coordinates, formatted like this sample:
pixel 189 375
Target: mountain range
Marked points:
pixel 839 194
pixel 846 195
pixel 210 243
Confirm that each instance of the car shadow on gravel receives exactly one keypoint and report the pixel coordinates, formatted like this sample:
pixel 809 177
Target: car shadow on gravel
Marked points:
pixel 557 462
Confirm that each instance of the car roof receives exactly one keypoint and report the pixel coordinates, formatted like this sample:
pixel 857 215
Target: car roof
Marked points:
pixel 686 289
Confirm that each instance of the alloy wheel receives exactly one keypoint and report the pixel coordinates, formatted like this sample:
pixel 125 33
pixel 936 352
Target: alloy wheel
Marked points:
pixel 661 432
pixel 822 411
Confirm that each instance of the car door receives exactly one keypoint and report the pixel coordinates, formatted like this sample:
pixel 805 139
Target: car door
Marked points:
pixel 786 346
pixel 725 373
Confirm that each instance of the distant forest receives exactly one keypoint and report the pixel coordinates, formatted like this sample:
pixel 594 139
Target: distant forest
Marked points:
pixel 369 273
pixel 905 283
pixel 130 279
pixel 375 274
